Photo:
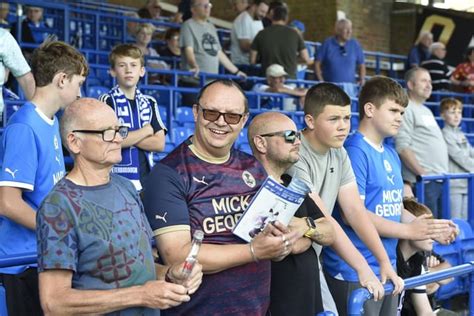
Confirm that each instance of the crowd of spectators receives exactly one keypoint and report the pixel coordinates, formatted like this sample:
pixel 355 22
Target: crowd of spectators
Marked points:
pixel 92 226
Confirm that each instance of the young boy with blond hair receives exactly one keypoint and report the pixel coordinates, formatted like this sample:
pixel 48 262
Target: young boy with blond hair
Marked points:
pixel 137 111
pixel 461 154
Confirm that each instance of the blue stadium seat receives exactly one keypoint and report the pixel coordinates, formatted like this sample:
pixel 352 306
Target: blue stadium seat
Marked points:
pixel 450 253
pixel 180 134
pixel 242 137
pixel 96 91
pixel 245 147
pixel 184 116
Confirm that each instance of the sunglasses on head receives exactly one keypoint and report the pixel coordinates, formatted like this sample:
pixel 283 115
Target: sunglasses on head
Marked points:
pixel 213 115
pixel 289 135
pixel 342 49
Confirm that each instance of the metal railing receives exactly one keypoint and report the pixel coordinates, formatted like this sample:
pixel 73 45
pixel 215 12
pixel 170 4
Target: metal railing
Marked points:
pixel 446 207
pixel 360 296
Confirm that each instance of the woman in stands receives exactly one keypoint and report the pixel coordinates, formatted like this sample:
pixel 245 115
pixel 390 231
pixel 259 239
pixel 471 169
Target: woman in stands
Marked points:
pixel 143 39
pixel 171 49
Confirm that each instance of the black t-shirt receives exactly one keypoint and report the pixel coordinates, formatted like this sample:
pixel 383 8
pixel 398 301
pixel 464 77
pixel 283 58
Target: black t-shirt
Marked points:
pixel 408 269
pixel 295 286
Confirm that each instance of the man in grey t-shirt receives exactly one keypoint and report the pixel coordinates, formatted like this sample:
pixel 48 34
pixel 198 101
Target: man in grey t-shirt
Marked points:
pixel 420 142
pixel 200 45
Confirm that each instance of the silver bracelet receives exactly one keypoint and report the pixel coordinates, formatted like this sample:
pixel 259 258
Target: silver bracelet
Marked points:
pixel 252 251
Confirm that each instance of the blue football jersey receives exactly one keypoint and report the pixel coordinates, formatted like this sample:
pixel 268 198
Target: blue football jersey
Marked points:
pixel 31 159
pixel 380 184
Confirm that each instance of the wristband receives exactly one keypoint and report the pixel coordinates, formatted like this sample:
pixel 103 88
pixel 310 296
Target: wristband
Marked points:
pixel 235 73
pixel 252 252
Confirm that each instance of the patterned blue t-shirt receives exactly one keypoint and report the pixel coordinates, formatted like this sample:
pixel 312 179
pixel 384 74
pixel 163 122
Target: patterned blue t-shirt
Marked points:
pixel 100 233
pixel 31 159
pixel 379 179
pixel 185 192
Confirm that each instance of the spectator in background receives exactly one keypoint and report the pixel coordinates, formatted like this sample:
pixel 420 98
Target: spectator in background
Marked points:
pixel 461 154
pixel 300 28
pixel 12 60
pixel 143 39
pixel 279 44
pixel 295 286
pixel 99 260
pixel 132 26
pixel 31 160
pixel 191 189
pixel 244 29
pixel 151 10
pixel 137 111
pixel 171 49
pixel 200 48
pixel 340 56
pixel 34 29
pixel 4 11
pixel 419 137
pixel 276 75
pixel 267 20
pixel 421 51
pixel 463 75
pixel 435 65
pixel 240 6
pixel 184 11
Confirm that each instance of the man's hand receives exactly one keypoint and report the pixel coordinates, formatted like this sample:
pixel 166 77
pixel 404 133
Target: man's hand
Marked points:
pixel 449 234
pixel 387 273
pixel 163 295
pixel 195 70
pixel 369 280
pixel 299 225
pixel 191 282
pixel 425 227
pixel 274 242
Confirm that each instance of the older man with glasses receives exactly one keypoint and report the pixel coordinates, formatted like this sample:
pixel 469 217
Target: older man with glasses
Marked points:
pixel 295 285
pixel 206 184
pixel 94 252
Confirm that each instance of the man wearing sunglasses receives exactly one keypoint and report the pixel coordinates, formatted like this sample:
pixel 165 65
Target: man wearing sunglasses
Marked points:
pixel 295 285
pixel 206 184
pixel 93 223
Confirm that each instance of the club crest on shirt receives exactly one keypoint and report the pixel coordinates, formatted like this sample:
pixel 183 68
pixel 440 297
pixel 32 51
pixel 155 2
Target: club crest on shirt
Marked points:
pixel 249 180
pixel 387 165
pixel 56 143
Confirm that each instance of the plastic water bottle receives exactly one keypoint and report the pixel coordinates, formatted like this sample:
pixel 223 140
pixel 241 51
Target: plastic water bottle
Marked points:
pixel 299 186
pixel 193 253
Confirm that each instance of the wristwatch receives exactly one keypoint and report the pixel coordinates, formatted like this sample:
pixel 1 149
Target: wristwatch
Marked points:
pixel 311 227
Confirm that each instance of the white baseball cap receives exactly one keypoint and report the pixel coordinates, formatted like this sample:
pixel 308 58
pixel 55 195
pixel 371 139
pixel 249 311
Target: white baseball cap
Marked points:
pixel 276 70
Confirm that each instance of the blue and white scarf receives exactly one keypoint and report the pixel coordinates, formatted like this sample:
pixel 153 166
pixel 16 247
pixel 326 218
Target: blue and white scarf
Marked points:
pixel 134 119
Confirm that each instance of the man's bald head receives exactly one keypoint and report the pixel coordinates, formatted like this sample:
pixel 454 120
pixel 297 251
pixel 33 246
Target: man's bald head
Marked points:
pixel 264 123
pixel 84 113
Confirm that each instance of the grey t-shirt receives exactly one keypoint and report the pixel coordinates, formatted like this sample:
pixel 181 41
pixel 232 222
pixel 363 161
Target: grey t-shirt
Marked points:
pixel 202 37
pixel 420 133
pixel 325 173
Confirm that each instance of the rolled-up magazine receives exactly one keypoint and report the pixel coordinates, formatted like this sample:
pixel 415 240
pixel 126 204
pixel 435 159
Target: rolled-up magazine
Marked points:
pixel 272 202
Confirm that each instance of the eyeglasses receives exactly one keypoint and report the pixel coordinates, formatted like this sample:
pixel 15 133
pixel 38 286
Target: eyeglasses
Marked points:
pixel 342 49
pixel 213 115
pixel 289 135
pixel 108 135
pixel 204 5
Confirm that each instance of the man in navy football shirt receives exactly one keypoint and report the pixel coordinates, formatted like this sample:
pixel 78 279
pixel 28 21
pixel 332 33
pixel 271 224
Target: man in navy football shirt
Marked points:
pixel 206 184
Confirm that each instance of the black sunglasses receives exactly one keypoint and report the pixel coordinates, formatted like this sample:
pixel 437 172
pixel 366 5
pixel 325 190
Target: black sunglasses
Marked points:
pixel 213 115
pixel 342 49
pixel 289 135
pixel 108 135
